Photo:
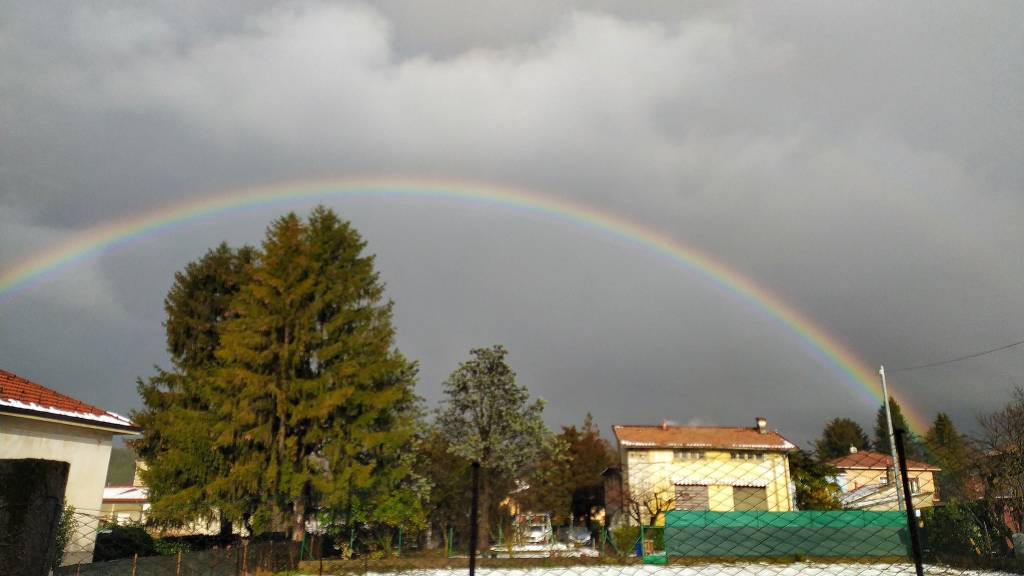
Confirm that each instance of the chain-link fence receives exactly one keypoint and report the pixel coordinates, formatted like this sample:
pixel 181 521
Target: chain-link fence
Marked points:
pixel 88 543
pixel 679 503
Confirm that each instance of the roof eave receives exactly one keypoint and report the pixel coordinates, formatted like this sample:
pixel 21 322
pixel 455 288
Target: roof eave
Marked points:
pixel 70 420
pixel 744 448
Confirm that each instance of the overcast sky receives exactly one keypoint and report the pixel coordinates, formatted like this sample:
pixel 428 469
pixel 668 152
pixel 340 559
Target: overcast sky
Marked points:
pixel 864 162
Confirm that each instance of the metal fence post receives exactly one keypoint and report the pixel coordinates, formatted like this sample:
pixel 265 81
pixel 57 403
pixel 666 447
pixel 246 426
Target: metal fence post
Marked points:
pixel 915 542
pixel 474 520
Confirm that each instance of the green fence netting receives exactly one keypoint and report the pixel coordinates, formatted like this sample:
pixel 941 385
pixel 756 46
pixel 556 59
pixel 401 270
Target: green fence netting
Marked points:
pixel 850 533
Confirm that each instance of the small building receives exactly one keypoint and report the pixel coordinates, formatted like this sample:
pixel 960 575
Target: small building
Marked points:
pixel 125 504
pixel 719 469
pixel 866 481
pixel 128 503
pixel 37 422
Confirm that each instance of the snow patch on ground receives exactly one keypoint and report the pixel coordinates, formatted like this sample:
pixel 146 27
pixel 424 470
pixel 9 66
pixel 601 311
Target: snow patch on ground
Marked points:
pixel 795 569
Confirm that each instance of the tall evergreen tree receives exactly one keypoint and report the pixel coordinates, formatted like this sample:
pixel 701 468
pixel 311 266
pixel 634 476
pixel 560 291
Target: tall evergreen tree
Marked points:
pixel 265 350
pixel 948 449
pixel 814 483
pixel 837 438
pixel 317 405
pixel 881 442
pixel 199 303
pixel 178 416
pixel 488 418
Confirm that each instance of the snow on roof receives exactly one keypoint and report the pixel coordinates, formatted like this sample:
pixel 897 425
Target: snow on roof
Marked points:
pixel 125 494
pixel 26 396
pixel 870 460
pixel 700 437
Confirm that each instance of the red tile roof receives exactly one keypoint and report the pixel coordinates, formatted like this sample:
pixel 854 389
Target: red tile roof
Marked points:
pixel 20 395
pixel 868 460
pixel 700 437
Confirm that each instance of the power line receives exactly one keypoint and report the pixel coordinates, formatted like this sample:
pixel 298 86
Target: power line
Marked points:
pixel 959 358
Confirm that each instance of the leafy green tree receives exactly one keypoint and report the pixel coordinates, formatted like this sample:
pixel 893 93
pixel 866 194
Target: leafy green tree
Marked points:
pixel 488 418
pixel 964 529
pixel 948 450
pixel 448 477
pixel 316 406
pixel 566 479
pixel 179 413
pixel 816 488
pixel 881 442
pixel 837 438
pixel 549 482
pixel 589 456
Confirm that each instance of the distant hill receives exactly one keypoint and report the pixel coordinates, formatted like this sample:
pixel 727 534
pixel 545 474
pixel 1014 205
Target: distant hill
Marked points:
pixel 121 470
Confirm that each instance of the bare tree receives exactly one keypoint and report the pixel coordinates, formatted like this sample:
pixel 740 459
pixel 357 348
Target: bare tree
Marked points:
pixel 1001 460
pixel 645 503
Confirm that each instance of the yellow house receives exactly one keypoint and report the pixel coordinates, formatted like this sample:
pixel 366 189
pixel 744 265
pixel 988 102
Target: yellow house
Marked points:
pixel 700 468
pixel 866 481
pixel 36 422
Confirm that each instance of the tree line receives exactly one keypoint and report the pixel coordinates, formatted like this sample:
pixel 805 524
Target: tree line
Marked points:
pixel 980 482
pixel 287 405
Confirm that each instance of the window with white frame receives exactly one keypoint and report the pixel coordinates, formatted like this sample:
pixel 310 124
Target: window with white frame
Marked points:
pixel 682 455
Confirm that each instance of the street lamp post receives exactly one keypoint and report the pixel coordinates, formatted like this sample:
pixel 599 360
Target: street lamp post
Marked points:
pixel 892 439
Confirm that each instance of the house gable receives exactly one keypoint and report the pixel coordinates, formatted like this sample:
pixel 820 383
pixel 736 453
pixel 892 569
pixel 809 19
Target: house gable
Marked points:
pixel 23 398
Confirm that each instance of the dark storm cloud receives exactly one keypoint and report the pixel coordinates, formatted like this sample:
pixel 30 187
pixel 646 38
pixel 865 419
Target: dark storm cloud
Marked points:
pixel 862 161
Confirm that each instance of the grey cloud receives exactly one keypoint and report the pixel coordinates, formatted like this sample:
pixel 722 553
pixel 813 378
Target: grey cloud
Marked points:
pixel 861 161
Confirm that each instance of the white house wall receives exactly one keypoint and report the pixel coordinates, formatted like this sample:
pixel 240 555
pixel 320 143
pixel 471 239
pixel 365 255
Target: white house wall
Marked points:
pixel 88 453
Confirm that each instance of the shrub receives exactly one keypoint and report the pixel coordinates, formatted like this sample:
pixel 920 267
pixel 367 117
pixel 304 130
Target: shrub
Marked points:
pixel 123 541
pixel 66 527
pixel 964 529
pixel 625 539
pixel 171 546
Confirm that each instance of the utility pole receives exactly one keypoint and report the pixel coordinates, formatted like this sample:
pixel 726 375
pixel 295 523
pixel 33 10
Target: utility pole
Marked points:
pixel 892 440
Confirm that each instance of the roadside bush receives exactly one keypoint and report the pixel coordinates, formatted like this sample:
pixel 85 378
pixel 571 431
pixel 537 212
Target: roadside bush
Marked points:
pixel 170 546
pixel 625 539
pixel 66 527
pixel 964 530
pixel 123 541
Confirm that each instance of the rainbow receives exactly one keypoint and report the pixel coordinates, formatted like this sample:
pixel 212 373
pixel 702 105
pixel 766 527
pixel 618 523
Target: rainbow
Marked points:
pixel 826 349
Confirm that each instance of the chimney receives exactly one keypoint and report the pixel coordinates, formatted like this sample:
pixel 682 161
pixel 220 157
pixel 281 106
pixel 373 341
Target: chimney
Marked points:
pixel 853 449
pixel 664 424
pixel 762 425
